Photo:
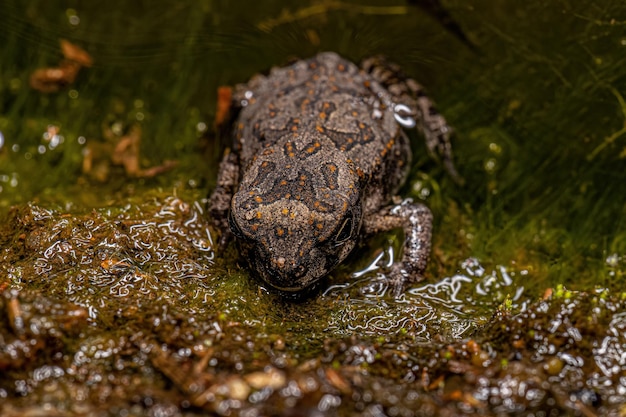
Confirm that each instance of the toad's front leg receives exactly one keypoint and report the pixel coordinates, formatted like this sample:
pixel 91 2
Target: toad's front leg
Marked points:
pixel 219 202
pixel 416 221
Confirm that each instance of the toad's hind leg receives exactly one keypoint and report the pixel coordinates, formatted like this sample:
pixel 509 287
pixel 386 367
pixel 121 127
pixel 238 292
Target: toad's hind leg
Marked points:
pixel 412 103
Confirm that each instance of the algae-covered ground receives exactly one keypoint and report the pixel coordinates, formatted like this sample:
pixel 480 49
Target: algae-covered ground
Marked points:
pixel 115 298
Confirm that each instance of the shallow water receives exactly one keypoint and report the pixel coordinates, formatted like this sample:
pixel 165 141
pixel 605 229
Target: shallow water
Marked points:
pixel 538 110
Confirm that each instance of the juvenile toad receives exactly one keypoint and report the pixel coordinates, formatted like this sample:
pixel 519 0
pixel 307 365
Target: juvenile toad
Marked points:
pixel 318 152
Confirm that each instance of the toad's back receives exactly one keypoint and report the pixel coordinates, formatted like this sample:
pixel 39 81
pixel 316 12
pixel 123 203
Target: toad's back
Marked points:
pixel 321 112
pixel 317 154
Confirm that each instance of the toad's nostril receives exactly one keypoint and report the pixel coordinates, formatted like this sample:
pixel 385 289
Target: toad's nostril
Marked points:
pixel 285 269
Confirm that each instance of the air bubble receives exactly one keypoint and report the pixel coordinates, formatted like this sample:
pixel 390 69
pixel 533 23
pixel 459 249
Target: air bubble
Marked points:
pixel 55 141
pixel 613 260
pixel 72 17
pixel 490 165
pixel 495 148
pixel 402 114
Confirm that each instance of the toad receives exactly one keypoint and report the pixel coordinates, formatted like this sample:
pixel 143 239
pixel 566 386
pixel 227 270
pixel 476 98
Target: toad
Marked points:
pixel 318 152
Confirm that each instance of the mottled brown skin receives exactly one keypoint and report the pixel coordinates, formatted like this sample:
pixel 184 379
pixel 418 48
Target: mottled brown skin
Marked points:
pixel 318 153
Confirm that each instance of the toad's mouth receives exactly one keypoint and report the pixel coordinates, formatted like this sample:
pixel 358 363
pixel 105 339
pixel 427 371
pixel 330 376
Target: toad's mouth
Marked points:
pixel 285 289
pixel 295 278
pixel 296 292
pixel 290 282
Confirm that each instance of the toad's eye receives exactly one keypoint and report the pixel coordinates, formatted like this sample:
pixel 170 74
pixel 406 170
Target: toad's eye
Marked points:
pixel 234 227
pixel 345 231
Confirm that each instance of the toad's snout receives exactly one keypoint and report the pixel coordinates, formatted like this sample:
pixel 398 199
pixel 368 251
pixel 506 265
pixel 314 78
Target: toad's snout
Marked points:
pixel 284 274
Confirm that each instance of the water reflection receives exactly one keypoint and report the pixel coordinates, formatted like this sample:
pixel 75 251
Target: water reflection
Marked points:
pixel 450 308
pixel 610 355
pixel 121 258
